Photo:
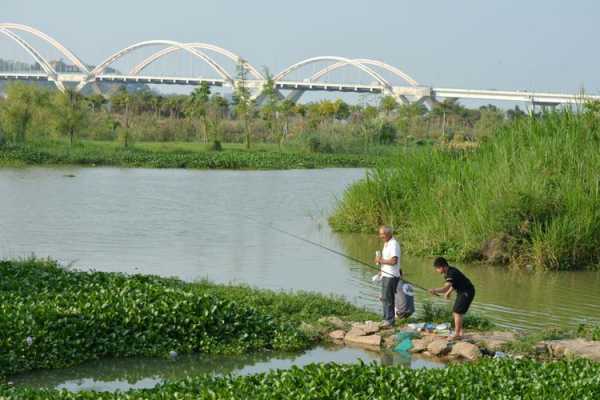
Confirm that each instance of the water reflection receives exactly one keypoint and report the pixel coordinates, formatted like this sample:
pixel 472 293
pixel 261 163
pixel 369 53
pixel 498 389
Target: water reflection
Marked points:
pixel 512 298
pixel 125 374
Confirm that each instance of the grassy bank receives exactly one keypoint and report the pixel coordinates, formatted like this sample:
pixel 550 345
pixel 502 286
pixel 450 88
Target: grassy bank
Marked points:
pixel 529 196
pixel 526 344
pixel 173 155
pixel 51 317
pixel 491 379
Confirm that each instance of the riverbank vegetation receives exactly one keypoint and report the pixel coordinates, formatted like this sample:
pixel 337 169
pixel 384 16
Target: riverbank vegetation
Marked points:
pixel 528 344
pixel 51 317
pixel 489 379
pixel 38 125
pixel 529 197
pixel 172 155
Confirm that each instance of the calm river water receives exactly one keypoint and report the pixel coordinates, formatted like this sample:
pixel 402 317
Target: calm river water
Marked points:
pixel 194 225
pixel 202 224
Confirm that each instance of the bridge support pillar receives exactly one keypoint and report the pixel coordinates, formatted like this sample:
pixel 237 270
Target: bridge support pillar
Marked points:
pixel 428 101
pixel 295 95
pixel 260 98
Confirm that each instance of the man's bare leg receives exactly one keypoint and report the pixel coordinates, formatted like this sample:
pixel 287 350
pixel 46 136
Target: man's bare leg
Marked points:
pixel 458 325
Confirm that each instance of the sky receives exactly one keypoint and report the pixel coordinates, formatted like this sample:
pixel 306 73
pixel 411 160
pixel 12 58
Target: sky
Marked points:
pixel 544 45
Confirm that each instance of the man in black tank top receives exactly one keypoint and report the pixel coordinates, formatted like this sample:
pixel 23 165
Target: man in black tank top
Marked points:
pixel 465 292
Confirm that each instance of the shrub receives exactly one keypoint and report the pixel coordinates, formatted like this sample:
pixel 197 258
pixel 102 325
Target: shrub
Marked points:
pixel 314 144
pixel 216 146
pixel 386 133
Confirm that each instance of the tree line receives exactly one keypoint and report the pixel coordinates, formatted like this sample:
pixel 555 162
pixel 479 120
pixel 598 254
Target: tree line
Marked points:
pixel 29 112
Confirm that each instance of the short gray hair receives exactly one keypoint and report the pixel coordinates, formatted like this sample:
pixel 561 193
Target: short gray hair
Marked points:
pixel 388 230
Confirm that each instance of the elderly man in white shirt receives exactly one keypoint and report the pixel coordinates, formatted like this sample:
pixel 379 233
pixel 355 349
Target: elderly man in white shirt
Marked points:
pixel 389 273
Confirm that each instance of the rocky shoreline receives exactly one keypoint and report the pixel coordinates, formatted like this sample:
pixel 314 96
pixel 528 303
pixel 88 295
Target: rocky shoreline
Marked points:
pixel 473 346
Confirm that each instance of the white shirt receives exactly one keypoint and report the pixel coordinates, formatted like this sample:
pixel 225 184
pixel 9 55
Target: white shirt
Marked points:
pixel 391 249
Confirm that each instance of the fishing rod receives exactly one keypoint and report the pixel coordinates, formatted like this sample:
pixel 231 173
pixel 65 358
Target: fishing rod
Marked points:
pixel 339 253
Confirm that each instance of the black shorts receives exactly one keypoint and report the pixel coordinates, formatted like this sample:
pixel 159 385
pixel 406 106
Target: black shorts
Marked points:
pixel 463 301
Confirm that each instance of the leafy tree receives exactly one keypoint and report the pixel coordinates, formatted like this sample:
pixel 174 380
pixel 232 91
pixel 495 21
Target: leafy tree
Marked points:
pixel 2 137
pixel 327 109
pixel 444 110
pixel 300 110
pixel 96 101
pixel 314 113
pixel 368 124
pixel 388 104
pixel 174 106
pixel 218 110
pixel 490 119
pixel 271 108
pixel 410 118
pixel 19 107
pixel 156 104
pixel 120 101
pixel 287 108
pixel 386 132
pixel 515 113
pixel 70 113
pixel 113 125
pixel 198 106
pixel 342 109
pixel 242 99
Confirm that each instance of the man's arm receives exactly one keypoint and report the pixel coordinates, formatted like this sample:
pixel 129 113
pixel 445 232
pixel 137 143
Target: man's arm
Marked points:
pixel 449 292
pixel 446 289
pixel 389 261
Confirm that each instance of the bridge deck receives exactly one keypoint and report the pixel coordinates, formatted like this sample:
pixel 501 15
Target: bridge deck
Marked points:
pixel 414 92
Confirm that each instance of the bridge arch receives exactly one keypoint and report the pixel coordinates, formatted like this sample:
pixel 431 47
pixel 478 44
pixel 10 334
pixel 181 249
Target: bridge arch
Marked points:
pixel 204 46
pixel 121 53
pixel 44 64
pixel 345 61
pixel 365 61
pixel 50 40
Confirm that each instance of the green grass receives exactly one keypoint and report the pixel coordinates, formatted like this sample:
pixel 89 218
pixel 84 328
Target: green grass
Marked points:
pixel 440 314
pixel 525 344
pixel 589 332
pixel 72 317
pixel 532 194
pixel 174 155
pixel 489 379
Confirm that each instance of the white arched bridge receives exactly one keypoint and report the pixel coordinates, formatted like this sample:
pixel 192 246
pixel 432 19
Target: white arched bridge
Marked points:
pixel 403 87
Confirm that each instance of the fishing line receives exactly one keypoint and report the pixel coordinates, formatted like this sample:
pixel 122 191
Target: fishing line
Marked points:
pixel 339 253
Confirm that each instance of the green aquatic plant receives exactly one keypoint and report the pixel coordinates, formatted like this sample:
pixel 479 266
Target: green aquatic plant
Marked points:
pixel 51 317
pixel 184 156
pixel 488 379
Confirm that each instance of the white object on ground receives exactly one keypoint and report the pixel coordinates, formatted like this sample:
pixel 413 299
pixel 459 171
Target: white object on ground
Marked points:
pixel 29 340
pixel 173 354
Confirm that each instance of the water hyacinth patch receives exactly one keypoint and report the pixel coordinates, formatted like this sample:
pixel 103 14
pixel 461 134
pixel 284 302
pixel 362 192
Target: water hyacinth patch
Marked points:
pixel 99 154
pixel 50 318
pixel 490 379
